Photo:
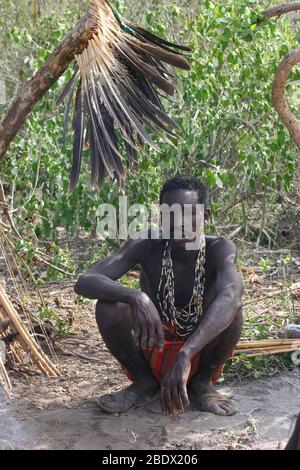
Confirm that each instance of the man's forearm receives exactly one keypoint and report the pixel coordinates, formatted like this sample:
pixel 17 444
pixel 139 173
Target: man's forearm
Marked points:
pixel 215 320
pixel 97 286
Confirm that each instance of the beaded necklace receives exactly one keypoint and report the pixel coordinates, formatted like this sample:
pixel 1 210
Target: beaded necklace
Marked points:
pixel 185 319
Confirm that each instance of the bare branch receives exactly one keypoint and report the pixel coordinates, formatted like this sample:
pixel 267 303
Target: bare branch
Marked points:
pixel 289 61
pixel 279 10
pixel 288 118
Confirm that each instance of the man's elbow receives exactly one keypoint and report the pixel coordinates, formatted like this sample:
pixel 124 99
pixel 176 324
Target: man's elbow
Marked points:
pixel 234 295
pixel 237 300
pixel 237 292
pixel 238 304
pixel 79 287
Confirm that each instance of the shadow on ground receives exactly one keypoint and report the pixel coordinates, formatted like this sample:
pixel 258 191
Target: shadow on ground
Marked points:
pixel 266 411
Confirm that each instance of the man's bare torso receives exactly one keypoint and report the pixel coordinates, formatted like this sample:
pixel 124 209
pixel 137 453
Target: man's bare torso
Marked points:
pixel 184 271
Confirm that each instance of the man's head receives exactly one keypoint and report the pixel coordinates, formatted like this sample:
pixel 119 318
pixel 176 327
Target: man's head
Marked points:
pixel 185 192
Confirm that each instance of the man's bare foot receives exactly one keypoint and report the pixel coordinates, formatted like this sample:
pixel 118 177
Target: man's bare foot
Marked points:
pixel 126 399
pixel 205 394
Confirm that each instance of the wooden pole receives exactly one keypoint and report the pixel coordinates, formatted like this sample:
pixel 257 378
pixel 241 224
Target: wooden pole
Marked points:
pixel 268 343
pixel 268 347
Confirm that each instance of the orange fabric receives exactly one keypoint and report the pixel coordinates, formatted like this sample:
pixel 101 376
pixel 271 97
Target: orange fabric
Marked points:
pixel 161 361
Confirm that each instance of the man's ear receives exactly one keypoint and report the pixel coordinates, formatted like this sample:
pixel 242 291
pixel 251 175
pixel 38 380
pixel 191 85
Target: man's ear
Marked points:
pixel 207 215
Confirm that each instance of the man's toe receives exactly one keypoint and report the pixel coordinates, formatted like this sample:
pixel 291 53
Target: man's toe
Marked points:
pixel 228 408
pixel 217 409
pixel 107 401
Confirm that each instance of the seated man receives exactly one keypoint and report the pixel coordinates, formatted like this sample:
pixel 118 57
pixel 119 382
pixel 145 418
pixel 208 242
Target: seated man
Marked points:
pixel 174 335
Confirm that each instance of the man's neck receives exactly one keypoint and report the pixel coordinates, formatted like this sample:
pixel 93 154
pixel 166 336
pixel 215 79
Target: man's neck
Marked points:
pixel 180 253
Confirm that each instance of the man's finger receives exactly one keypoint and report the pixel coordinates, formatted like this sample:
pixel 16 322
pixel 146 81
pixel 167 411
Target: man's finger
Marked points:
pixel 176 398
pixel 167 398
pixel 152 337
pixel 184 395
pixel 144 335
pixel 162 401
pixel 160 337
pixel 136 330
pixel 169 402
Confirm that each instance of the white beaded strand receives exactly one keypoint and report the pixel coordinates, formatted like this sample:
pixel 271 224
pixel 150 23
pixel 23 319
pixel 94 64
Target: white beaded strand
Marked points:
pixel 184 319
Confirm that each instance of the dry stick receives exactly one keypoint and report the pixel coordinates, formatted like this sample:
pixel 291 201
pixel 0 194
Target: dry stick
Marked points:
pixel 268 352
pixel 6 211
pixel 267 347
pixel 288 347
pixel 33 279
pixel 40 357
pixel 7 381
pixel 293 288
pixel 27 267
pixel 17 290
pixel 42 260
pixel 26 347
pixel 2 224
pixel 16 356
pixel 83 356
pixel 36 285
pixel 268 343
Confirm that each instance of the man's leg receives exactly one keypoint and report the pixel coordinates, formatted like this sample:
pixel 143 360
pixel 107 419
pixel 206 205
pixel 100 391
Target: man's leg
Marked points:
pixel 115 326
pixel 213 356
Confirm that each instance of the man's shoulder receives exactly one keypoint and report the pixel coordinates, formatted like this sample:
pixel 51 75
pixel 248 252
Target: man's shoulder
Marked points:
pixel 220 242
pixel 144 240
pixel 146 235
pixel 220 248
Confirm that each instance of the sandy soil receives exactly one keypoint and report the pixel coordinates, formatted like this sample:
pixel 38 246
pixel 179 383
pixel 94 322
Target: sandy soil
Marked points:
pixel 60 413
pixel 266 411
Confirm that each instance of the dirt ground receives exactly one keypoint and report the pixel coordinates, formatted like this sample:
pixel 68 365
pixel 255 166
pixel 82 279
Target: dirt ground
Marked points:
pixel 266 411
pixel 60 413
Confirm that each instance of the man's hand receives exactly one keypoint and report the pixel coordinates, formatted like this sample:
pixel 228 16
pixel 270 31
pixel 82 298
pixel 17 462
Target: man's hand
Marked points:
pixel 174 398
pixel 147 327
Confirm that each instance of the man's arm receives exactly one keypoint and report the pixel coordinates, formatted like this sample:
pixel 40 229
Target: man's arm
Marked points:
pixel 229 289
pixel 220 314
pixel 99 281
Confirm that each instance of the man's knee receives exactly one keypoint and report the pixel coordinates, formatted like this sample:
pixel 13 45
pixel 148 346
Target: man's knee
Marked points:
pixel 235 328
pixel 112 314
pixel 238 319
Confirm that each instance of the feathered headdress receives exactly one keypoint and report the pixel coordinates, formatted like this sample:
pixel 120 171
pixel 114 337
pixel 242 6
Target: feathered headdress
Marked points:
pixel 117 101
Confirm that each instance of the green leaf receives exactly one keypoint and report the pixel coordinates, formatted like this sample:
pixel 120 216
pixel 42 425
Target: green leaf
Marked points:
pixel 211 178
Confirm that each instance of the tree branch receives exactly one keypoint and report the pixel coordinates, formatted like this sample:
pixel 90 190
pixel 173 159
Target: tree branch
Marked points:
pixel 288 118
pixel 33 90
pixel 289 61
pixel 279 10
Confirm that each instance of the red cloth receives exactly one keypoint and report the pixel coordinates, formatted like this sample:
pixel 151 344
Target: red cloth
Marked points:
pixel 161 361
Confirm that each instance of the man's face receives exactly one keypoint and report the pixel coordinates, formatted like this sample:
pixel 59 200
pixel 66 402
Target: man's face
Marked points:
pixel 187 220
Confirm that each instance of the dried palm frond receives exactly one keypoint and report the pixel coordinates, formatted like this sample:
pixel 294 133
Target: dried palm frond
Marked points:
pixel 116 100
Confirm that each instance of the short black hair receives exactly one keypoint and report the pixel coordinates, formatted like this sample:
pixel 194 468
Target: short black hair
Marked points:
pixel 189 183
